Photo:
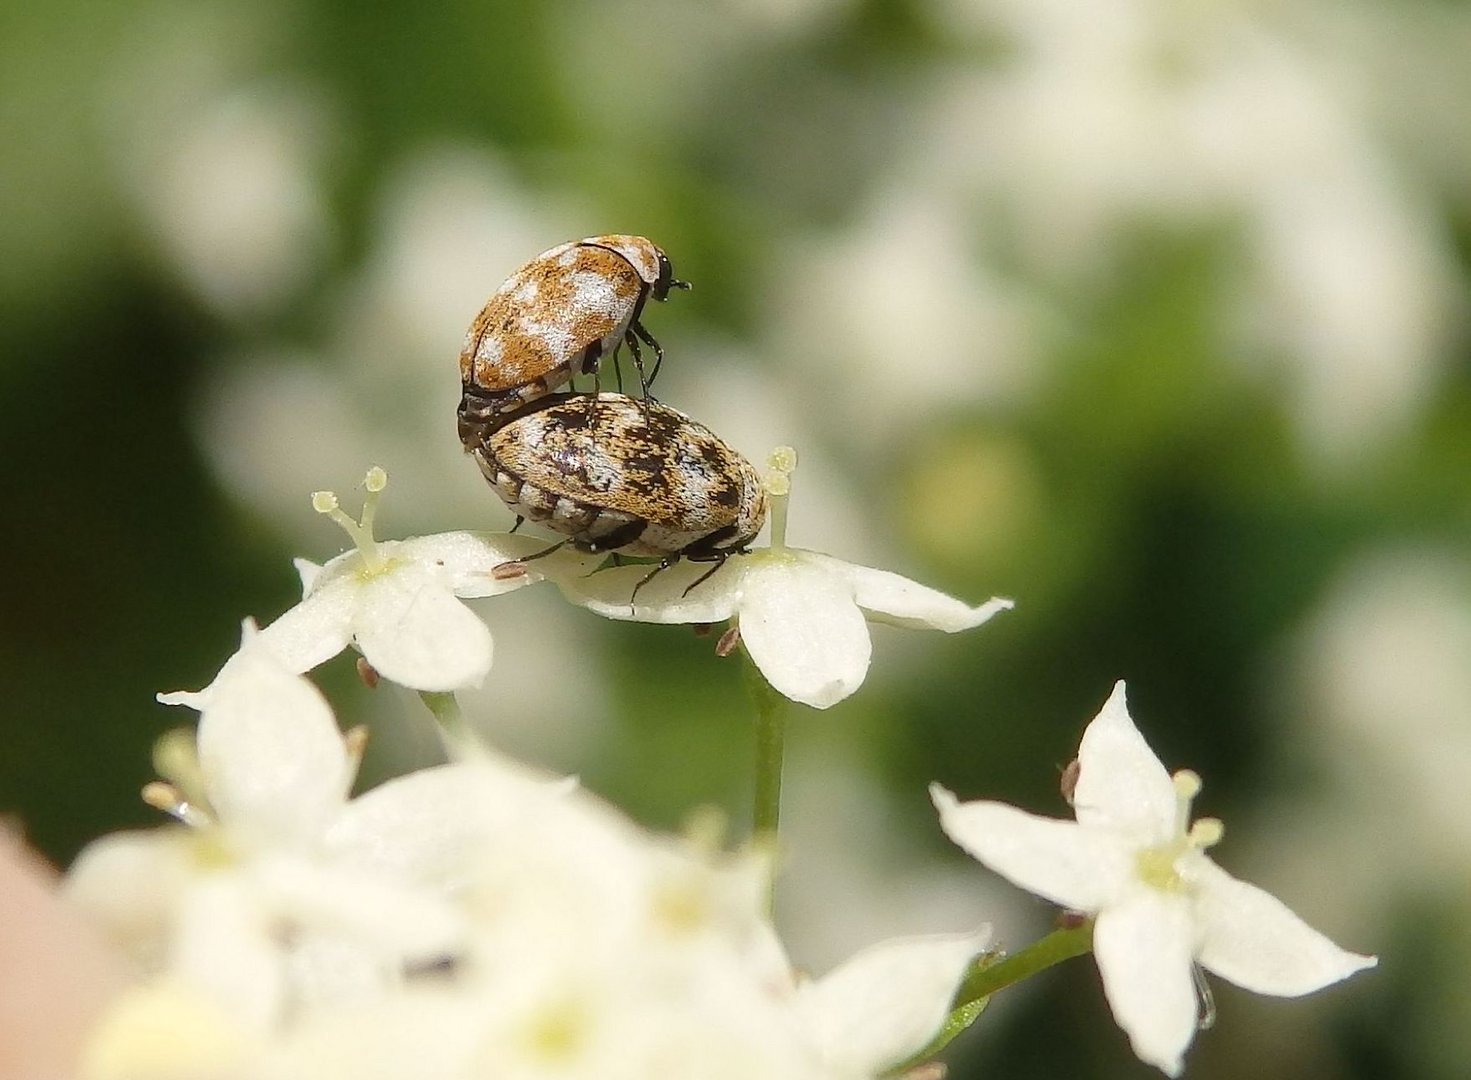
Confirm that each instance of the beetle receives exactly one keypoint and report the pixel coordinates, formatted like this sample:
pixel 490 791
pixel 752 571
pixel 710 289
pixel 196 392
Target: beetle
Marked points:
pixel 558 316
pixel 616 474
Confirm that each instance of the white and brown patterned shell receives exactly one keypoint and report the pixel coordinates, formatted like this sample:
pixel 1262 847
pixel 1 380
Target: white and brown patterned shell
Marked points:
pixel 617 473
pixel 539 324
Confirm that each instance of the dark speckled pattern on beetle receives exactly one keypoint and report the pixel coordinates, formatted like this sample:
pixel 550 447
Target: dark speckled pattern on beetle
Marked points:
pixel 558 315
pixel 615 473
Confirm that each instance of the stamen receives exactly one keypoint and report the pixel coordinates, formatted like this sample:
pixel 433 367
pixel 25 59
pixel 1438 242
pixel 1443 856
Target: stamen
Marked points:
pixel 375 481
pixel 705 829
pixel 166 797
pixel 727 641
pixel 355 742
pixel 367 673
pixel 1206 832
pixel 1187 786
pixel 176 759
pixel 361 532
pixel 1206 1019
pixel 781 463
pixel 1067 783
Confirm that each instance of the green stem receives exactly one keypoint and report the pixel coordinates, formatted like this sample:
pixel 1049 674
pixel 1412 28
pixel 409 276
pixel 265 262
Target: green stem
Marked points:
pixel 771 733
pixel 458 739
pixel 992 972
pixel 1043 953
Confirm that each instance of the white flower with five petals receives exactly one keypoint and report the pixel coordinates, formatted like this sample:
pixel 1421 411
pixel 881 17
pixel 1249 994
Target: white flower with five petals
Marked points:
pixel 802 615
pixel 1134 860
pixel 399 601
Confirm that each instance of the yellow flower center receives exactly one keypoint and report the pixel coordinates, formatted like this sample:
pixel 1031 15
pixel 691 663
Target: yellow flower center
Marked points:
pixel 1157 866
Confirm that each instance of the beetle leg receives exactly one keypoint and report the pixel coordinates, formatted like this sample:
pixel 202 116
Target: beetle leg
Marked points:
pixel 718 559
pixel 638 362
pixel 638 328
pixel 663 564
pixel 544 552
pixel 590 357
pixel 519 522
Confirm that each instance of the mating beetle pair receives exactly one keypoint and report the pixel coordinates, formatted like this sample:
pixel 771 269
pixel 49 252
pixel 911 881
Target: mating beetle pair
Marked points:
pixel 610 472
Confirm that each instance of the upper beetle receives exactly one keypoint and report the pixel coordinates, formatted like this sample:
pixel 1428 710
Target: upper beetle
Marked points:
pixel 559 315
pixel 615 474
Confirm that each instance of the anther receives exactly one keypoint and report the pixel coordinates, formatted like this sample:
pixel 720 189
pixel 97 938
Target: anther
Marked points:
pixel 728 641
pixel 176 759
pixel 367 673
pixel 166 797
pixel 355 742
pixel 1068 781
pixel 780 463
pixel 1206 832
pixel 1187 785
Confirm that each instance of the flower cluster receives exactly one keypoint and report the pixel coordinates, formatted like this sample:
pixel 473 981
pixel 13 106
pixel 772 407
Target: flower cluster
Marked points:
pixel 472 919
pixel 481 919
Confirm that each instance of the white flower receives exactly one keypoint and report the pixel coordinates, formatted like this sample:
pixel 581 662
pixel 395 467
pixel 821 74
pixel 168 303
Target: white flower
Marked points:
pixel 398 601
pixel 282 892
pixel 1134 861
pixel 801 614
pixel 885 1004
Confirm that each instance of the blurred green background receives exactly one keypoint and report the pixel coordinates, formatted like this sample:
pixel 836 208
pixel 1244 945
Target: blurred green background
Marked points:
pixel 1150 314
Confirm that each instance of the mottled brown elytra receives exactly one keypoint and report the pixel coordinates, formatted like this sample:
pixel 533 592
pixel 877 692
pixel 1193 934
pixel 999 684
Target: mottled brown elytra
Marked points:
pixel 556 317
pixel 613 473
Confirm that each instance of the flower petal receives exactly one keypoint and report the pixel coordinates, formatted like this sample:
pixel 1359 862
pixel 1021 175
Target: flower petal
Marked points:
pixel 469 560
pixel 412 630
pixel 1121 784
pixel 308 572
pixel 128 883
pixel 434 826
pixel 803 630
pixel 272 758
pixel 1143 949
pixel 1252 939
pixel 886 1003
pixel 317 628
pixel 383 918
pixel 224 947
pixel 663 598
pixel 1079 868
pixel 892 598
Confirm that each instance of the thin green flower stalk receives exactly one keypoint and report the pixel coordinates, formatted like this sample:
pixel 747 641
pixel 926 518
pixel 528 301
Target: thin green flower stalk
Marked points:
pixel 993 971
pixel 455 734
pixel 771 706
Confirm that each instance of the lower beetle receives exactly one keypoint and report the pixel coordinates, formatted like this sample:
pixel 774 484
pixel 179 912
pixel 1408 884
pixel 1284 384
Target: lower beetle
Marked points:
pixel 617 474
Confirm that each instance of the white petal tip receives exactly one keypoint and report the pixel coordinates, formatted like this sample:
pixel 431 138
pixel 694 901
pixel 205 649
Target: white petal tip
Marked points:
pixel 307 571
pixel 982 614
pixel 824 697
pixel 943 798
pixel 192 699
